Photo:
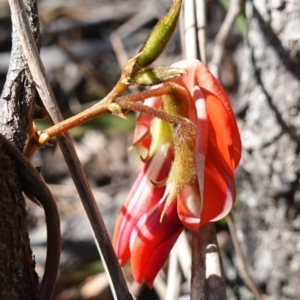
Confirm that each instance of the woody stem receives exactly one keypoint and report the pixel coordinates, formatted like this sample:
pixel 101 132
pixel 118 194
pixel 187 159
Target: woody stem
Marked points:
pixel 127 102
pixel 207 269
pixel 82 117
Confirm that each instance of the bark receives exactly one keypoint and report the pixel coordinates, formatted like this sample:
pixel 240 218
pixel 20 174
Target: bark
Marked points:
pixel 17 98
pixel 269 190
pixel 18 279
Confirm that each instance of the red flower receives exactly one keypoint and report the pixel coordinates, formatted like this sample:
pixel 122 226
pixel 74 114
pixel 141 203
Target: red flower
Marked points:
pixel 200 187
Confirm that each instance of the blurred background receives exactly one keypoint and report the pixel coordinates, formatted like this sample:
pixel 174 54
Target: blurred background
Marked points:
pixel 84 46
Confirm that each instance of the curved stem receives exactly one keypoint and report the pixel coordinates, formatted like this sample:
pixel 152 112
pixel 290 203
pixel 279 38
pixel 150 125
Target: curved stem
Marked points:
pixel 36 190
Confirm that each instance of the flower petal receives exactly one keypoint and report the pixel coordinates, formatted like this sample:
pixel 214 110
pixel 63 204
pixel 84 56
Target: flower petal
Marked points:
pixel 139 232
pixel 141 198
pixel 219 183
pixel 189 207
pixel 198 75
pixel 201 136
pixel 218 145
pixel 153 243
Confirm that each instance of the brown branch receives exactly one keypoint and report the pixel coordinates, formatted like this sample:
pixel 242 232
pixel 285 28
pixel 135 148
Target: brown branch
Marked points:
pixel 17 267
pixel 124 102
pixel 65 142
pixel 18 96
pixel 207 270
pixel 18 279
pixel 36 189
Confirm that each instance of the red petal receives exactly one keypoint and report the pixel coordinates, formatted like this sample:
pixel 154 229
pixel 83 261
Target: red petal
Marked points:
pixel 219 189
pixel 189 208
pixel 198 75
pixel 141 198
pixel 153 243
pixel 158 257
pixel 219 185
pixel 222 142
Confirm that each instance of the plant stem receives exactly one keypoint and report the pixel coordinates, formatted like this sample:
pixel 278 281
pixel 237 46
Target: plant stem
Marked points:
pixel 36 190
pixel 172 119
pixel 207 270
pixel 84 116
pixel 108 104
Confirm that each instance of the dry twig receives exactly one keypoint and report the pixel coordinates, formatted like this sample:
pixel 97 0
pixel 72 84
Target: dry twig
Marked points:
pixel 235 7
pixel 242 262
pixel 201 23
pixel 190 43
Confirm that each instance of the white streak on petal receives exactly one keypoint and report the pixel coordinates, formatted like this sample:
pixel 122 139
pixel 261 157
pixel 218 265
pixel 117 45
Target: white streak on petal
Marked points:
pixel 145 188
pixel 202 120
pixel 139 224
pixel 230 197
pixel 191 200
pixel 142 220
pixel 201 137
pixel 200 164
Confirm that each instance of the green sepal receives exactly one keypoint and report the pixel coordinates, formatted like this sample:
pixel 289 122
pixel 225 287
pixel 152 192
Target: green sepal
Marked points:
pixel 161 133
pixel 156 76
pixel 159 36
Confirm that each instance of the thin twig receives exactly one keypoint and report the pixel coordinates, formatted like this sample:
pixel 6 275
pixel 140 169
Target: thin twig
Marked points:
pixel 234 9
pixel 194 22
pixel 161 114
pixel 201 24
pixel 207 270
pixel 184 255
pixel 241 259
pixel 190 35
pixel 65 142
pixel 159 285
pixel 87 69
pixel 174 276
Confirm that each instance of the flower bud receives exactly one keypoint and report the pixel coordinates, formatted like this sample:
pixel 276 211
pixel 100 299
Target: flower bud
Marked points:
pixel 156 76
pixel 159 36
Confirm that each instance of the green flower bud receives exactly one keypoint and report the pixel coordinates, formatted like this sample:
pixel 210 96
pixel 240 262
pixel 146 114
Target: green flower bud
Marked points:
pixel 159 36
pixel 156 75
